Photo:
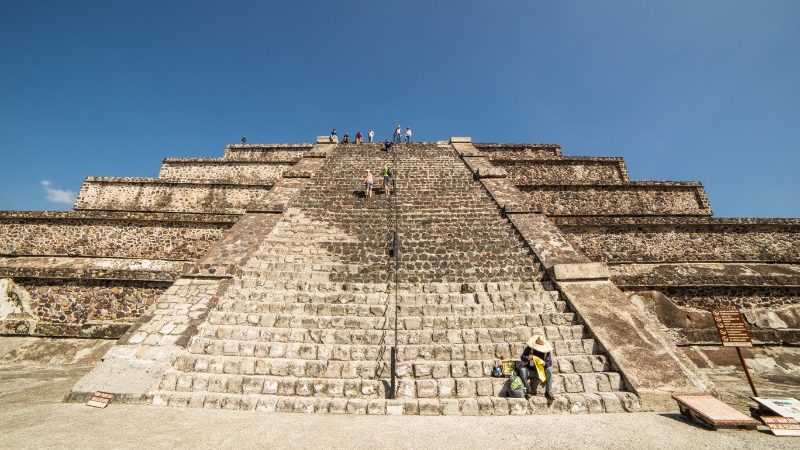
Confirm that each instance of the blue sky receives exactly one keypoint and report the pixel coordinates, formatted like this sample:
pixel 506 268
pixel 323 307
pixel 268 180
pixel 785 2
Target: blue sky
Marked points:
pixel 684 90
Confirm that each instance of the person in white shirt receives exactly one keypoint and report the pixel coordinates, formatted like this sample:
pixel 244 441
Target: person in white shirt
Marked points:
pixel 370 135
pixel 398 134
pixel 408 134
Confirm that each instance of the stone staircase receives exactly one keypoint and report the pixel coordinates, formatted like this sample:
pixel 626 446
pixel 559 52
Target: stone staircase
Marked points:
pixel 309 320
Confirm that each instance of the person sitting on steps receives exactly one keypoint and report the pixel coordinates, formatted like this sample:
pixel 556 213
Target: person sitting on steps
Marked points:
pixel 334 138
pixel 368 182
pixel 536 361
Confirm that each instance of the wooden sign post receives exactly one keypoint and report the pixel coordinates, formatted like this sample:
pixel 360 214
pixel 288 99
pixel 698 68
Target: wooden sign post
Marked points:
pixel 733 332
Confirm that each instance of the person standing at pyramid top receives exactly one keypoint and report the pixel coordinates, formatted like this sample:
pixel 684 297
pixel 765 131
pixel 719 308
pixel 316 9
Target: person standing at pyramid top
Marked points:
pixel 398 134
pixel 244 139
pixel 359 137
pixel 370 135
pixel 408 135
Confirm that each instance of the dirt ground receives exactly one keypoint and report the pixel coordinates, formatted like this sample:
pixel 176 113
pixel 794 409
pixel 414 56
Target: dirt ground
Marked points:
pixel 35 374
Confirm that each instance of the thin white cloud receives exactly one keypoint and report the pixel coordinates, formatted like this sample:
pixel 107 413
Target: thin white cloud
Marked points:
pixel 60 196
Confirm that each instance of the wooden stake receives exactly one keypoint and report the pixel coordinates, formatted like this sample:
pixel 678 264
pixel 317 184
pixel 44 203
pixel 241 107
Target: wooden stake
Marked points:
pixel 746 372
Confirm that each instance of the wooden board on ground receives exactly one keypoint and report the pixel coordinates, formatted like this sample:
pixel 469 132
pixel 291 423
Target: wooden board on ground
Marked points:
pixel 731 328
pixel 712 412
pixel 782 426
pixel 786 407
pixel 100 399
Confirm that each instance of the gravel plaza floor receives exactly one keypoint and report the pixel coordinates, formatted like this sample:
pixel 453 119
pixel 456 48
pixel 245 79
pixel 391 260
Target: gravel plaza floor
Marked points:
pixel 33 416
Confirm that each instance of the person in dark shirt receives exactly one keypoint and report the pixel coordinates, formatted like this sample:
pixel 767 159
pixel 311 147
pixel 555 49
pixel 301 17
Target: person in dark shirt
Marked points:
pixel 387 145
pixel 359 138
pixel 537 347
pixel 334 137
pixel 244 139
pixel 346 138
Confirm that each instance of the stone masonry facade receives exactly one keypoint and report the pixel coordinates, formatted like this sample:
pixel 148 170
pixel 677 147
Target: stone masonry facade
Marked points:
pixel 265 280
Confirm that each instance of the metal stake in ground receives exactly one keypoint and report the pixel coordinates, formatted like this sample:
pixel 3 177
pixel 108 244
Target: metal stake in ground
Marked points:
pixel 733 332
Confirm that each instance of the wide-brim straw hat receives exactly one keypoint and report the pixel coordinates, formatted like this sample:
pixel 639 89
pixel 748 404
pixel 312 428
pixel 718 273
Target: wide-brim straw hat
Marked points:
pixel 539 343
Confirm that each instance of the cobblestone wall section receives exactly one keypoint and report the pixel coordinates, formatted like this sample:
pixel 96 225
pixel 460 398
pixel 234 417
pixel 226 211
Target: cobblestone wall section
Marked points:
pixel 149 194
pixel 445 211
pixel 648 275
pixel 62 267
pixel 122 235
pixel 682 240
pixel 634 198
pixel 267 152
pixel 564 170
pixel 85 300
pixel 222 169
pixel 740 297
pixel 513 151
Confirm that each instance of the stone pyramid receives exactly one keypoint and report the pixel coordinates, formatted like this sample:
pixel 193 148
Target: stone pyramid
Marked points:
pixel 266 280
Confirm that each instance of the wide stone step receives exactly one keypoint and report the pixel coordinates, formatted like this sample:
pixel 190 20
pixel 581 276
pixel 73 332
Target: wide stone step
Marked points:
pixel 319 335
pixel 414 288
pixel 361 352
pixel 612 402
pixel 328 368
pixel 258 293
pixel 368 322
pixel 376 388
pixel 364 310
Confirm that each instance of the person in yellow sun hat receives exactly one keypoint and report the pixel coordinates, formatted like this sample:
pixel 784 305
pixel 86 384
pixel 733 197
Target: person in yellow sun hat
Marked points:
pixel 536 361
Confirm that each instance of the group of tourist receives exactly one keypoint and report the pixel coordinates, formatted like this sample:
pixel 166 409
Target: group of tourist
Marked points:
pixel 398 134
pixel 369 181
pixel 359 138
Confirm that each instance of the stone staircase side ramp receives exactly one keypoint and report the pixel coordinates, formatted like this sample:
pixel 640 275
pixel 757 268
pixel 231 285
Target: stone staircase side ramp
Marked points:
pixel 648 363
pixel 133 368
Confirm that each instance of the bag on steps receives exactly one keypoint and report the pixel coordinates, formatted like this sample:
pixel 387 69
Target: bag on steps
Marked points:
pixel 497 372
pixel 515 387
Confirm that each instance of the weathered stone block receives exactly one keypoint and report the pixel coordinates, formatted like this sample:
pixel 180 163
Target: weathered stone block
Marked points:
pixel 427 388
pixel 580 271
pixel 428 407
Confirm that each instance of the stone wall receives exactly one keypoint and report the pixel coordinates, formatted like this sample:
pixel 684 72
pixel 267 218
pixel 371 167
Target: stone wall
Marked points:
pixel 564 170
pixel 740 297
pixel 149 194
pixel 513 151
pixel 87 300
pixel 633 198
pixel 109 234
pixel 260 152
pixel 222 170
pixel 709 286
pixel 642 239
